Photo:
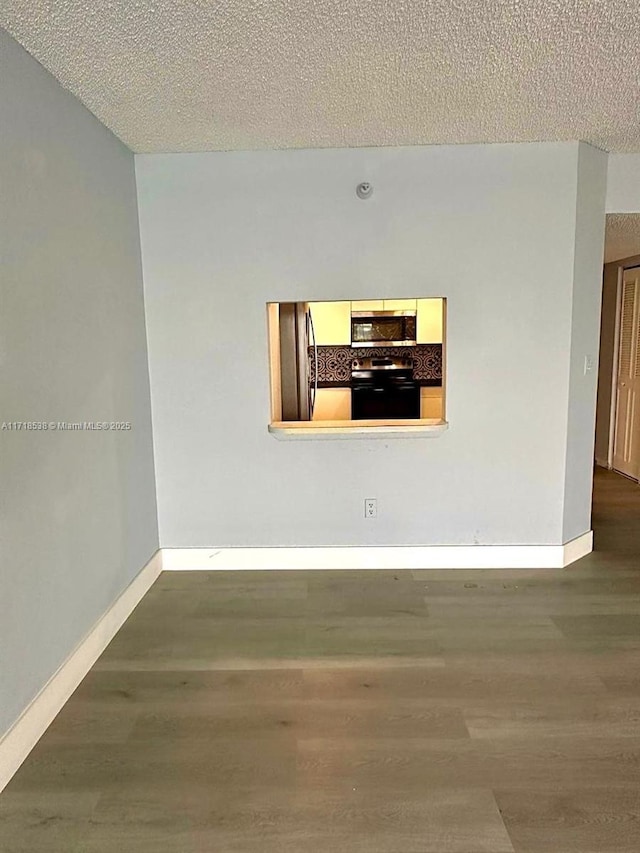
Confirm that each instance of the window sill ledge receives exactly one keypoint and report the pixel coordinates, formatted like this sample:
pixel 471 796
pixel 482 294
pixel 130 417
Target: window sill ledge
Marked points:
pixel 322 430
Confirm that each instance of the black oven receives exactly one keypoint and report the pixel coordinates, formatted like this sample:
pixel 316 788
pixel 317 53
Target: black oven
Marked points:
pixel 384 388
pixel 383 328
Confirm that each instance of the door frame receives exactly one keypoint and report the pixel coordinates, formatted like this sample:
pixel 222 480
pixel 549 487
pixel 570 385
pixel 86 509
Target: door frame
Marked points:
pixel 613 412
pixel 626 264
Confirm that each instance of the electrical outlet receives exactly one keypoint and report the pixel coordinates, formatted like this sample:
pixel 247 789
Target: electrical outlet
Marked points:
pixel 370 507
pixel 588 364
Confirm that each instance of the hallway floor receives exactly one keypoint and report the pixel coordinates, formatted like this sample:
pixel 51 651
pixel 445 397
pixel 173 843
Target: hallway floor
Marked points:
pixel 368 712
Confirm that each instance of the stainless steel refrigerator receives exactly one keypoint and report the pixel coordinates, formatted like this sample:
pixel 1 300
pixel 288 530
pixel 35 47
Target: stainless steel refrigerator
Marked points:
pixel 299 387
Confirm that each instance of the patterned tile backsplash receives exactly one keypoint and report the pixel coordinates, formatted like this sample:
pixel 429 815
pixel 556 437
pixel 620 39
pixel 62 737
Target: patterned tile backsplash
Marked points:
pixel 334 363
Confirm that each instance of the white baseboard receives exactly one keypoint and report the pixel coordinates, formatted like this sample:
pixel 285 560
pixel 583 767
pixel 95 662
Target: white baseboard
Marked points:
pixel 18 742
pixel 397 557
pixel 578 547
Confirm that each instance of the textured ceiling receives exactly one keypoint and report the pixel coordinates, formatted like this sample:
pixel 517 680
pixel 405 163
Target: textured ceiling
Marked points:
pixel 189 75
pixel 622 236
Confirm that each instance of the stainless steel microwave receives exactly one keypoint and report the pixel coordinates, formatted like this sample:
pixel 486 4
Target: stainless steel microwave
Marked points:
pixel 383 328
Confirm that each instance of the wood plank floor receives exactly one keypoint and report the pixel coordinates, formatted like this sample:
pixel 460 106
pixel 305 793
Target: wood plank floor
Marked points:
pixel 386 712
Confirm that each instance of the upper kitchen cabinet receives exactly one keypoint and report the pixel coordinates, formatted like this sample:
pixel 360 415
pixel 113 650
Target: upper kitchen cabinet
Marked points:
pixel 368 305
pixel 331 323
pixel 384 305
pixel 399 304
pixel 430 321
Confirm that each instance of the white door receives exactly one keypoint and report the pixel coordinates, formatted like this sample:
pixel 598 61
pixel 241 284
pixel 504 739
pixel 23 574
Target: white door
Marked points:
pixel 626 448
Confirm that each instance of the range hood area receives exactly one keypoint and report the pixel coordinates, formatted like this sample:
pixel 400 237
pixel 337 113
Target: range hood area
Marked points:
pixel 357 366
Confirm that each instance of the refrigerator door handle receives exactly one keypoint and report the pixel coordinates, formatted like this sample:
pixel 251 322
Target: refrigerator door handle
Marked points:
pixel 315 364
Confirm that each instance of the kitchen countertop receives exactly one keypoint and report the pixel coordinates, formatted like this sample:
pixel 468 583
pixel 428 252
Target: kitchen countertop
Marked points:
pixel 423 383
pixel 306 430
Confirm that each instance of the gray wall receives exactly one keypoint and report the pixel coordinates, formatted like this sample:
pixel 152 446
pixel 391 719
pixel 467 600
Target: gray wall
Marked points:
pixel 585 333
pixel 623 183
pixel 492 228
pixel 78 514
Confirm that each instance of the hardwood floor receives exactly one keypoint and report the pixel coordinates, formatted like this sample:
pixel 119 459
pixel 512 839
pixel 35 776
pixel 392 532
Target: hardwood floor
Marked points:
pixel 382 712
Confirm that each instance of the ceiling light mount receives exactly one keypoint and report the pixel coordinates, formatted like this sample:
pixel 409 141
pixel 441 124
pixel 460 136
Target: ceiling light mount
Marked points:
pixel 364 190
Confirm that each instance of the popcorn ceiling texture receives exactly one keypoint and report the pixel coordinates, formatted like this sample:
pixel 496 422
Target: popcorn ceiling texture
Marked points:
pixel 622 236
pixel 190 75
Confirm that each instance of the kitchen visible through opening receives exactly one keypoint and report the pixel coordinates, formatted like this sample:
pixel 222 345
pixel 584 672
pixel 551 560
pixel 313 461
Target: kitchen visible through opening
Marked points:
pixel 357 363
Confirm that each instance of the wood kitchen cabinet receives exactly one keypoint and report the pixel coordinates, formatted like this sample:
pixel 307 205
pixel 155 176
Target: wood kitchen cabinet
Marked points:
pixel 430 321
pixel 331 323
pixel 332 404
pixel 368 305
pixel 384 305
pixel 399 304
pixel 431 402
pixel 332 320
